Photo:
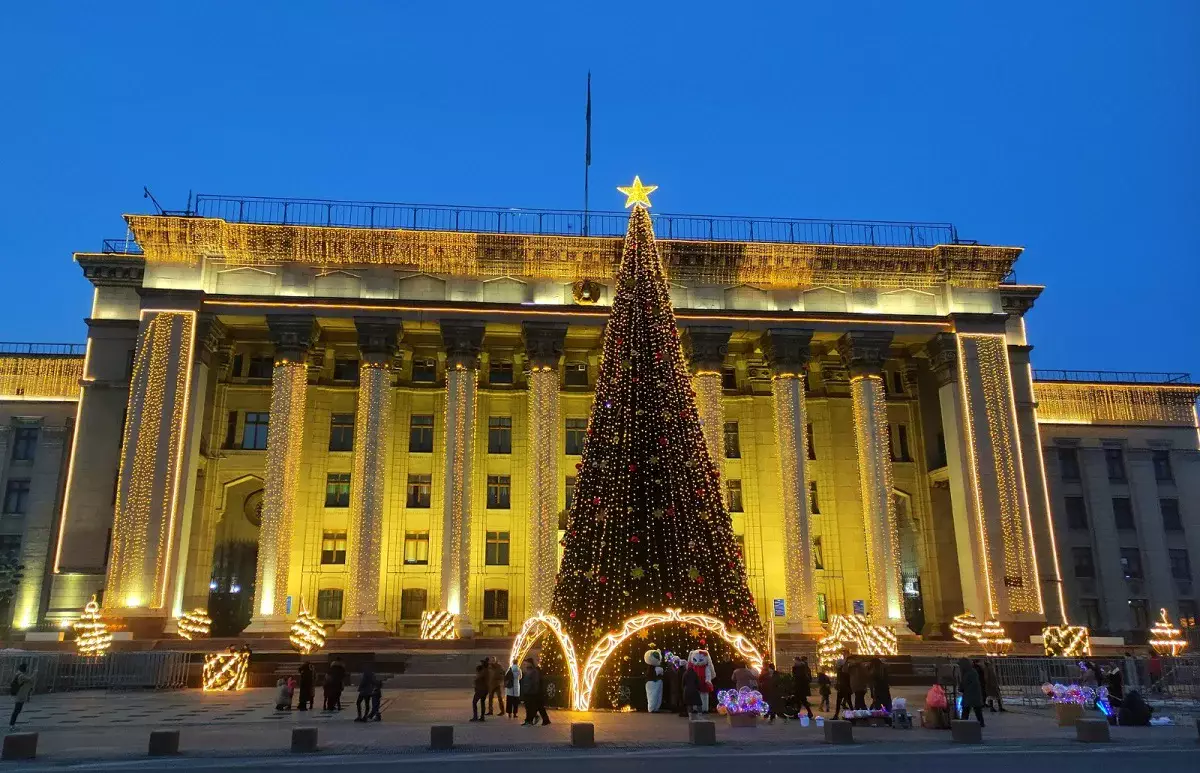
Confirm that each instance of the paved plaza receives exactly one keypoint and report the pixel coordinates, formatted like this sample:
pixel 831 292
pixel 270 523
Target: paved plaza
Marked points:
pixel 109 725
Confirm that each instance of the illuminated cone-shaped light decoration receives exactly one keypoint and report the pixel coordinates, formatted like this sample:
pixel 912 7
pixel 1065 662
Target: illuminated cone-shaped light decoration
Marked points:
pixel 1067 641
pixel 195 624
pixel 965 628
pixel 91 632
pixel 852 633
pixel 226 671
pixel 994 639
pixel 308 635
pixel 1165 638
pixel 438 624
pixel 648 528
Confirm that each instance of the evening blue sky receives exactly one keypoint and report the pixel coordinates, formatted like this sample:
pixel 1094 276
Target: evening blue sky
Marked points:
pixel 1069 128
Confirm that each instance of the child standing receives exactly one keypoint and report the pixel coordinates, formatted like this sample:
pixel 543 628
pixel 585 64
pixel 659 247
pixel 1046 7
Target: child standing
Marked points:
pixel 823 685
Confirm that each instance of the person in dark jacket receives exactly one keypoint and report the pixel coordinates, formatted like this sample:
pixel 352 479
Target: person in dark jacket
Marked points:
pixel 843 686
pixel 670 684
pixel 366 686
pixel 335 681
pixel 1116 687
pixel 307 686
pixel 971 690
pixel 768 685
pixel 881 690
pixel 495 685
pixel 531 690
pixel 691 692
pixel 483 678
pixel 1134 710
pixel 823 687
pixel 541 694
pixel 991 686
pixel 802 677
pixel 858 684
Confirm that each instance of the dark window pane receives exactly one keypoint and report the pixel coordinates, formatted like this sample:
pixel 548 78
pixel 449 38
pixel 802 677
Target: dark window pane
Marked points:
pixel 1131 563
pixel 24 444
pixel 818 554
pixel 495 604
pixel 729 379
pixel 412 603
pixel 1123 513
pixel 1068 462
pixel 1084 566
pixel 1181 566
pixel 1170 514
pixel 254 433
pixel 733 496
pixel 337 489
pixel 424 370
pixel 733 445
pixel 1091 614
pixel 576 432
pixel 498 491
pixel 1115 461
pixel 500 373
pixel 333 547
pixel 260 367
pixel 420 491
pixel 570 486
pixel 420 434
pixel 808 437
pixel 329 604
pixel 500 435
pixel 1076 513
pixel 1162 466
pixel 345 370
pixel 814 504
pixel 16 497
pixel 496 549
pixel 341 432
pixel 577 374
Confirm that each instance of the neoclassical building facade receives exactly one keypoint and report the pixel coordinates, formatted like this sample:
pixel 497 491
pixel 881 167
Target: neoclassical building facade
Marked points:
pixel 376 411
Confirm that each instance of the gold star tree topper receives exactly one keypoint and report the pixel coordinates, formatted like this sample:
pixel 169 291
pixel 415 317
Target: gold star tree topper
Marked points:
pixel 637 194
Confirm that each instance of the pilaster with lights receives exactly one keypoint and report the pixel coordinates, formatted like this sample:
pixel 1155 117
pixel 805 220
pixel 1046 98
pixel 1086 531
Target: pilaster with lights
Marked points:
pixel 787 352
pixel 463 341
pixel 864 353
pixel 293 336
pixel 544 347
pixel 705 347
pixel 377 343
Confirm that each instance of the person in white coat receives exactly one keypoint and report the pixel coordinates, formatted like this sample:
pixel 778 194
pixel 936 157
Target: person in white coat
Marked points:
pixel 512 689
pixel 654 680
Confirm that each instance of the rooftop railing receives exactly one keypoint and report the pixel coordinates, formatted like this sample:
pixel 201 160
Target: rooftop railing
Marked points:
pixel 1113 376
pixel 548 222
pixel 71 350
pixel 125 245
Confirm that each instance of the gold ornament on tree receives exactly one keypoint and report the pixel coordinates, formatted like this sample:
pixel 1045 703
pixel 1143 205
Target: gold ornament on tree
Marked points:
pixel 308 635
pixel 195 624
pixel 994 640
pixel 1165 638
pixel 92 637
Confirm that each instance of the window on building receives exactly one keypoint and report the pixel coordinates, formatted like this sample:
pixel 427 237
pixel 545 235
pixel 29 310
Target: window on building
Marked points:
pixel 1114 459
pixel 16 497
pixel 729 379
pixel 337 489
pixel 739 543
pixel 576 432
pixel 900 450
pixel 341 432
pixel 329 604
pixel 1162 466
pixel 814 502
pixel 733 445
pixel 24 444
pixel 812 447
pixel 1068 463
pixel 495 604
pixel 897 383
pixel 10 545
pixel 500 372
pixel 345 370
pixel 412 603
pixel 499 434
pixel 254 432
pixel 1131 563
pixel 260 367
pixel 416 548
pixel 420 490
pixel 576 374
pixel 1181 567
pixel 1076 513
pixel 1084 566
pixel 733 496
pixel 1170 514
pixel 499 490
pixel 1187 614
pixel 570 486
pixel 1091 614
pixel 818 554
pixel 822 608
pixel 333 547
pixel 235 370
pixel 1123 513
pixel 424 370
pixel 231 423
pixel 496 549
pixel 1139 610
pixel 420 434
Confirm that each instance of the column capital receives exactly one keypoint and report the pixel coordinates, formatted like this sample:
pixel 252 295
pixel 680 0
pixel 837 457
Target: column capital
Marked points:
pixel 705 347
pixel 865 351
pixel 113 270
pixel 210 334
pixel 1015 300
pixel 378 338
pixel 544 342
pixel 293 335
pixel 787 350
pixel 463 340
pixel 942 351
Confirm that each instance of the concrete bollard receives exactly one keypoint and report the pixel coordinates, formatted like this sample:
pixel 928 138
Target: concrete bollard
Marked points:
pixel 583 735
pixel 702 732
pixel 304 740
pixel 164 742
pixel 19 746
pixel 441 737
pixel 965 731
pixel 1092 730
pixel 839 731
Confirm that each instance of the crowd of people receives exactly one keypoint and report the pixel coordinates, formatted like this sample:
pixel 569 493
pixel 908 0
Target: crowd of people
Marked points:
pixel 503 690
pixel 303 687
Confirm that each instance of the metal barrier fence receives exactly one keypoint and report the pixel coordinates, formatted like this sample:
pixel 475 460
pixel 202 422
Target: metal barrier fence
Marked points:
pixel 60 672
pixel 1169 684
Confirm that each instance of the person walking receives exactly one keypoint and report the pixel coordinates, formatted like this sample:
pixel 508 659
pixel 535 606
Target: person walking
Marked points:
pixel 823 684
pixel 307 686
pixel 22 690
pixel 376 698
pixel 483 678
pixel 529 688
pixel 335 679
pixel 495 686
pixel 858 684
pixel 881 688
pixel 843 686
pixel 541 694
pixel 991 686
pixel 802 678
pixel 512 689
pixel 970 689
pixel 768 685
pixel 366 686
pixel 691 692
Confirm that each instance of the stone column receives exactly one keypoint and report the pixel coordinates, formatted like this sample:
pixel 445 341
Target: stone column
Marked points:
pixel 148 488
pixel 463 341
pixel 377 342
pixel 705 348
pixel 294 336
pixel 787 352
pixel 544 347
pixel 864 353
pixel 943 361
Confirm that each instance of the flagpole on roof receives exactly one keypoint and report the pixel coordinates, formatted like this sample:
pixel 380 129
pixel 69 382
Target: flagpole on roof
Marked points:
pixel 587 155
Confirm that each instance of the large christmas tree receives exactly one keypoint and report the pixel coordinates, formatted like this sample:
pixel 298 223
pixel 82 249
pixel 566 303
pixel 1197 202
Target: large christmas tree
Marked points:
pixel 648 528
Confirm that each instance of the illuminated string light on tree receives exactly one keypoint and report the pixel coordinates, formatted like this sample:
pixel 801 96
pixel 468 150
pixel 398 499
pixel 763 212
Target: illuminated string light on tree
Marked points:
pixel 648 527
pixel 438 624
pixel 1067 641
pixel 854 632
pixel 994 639
pixel 1165 638
pixel 195 624
pixel 308 634
pixel 226 671
pixel 965 628
pixel 92 637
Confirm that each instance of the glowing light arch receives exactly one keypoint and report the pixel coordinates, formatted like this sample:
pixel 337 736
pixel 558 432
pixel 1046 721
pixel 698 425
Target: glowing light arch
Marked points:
pixel 610 642
pixel 534 628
